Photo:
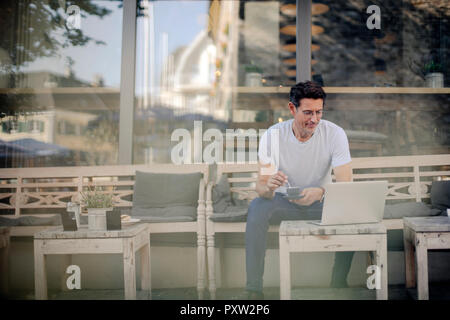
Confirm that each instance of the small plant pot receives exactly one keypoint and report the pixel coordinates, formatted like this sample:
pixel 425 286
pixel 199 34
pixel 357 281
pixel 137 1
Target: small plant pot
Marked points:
pixel 253 79
pixel 97 218
pixel 435 80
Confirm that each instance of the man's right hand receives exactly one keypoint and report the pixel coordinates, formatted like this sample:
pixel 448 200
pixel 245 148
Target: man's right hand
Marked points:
pixel 277 180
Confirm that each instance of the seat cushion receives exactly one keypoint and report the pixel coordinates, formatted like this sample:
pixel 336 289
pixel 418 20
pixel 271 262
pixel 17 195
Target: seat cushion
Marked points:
pixel 409 209
pixel 161 197
pixel 440 196
pixel 26 221
pixel 169 214
pixel 231 214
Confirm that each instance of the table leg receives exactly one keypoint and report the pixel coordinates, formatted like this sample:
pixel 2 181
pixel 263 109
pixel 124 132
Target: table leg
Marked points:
pixel 146 273
pixel 422 266
pixel 285 270
pixel 66 260
pixel 40 273
pixel 410 276
pixel 4 266
pixel 129 269
pixel 381 253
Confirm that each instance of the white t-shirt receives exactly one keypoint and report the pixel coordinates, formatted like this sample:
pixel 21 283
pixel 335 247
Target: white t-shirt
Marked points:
pixel 309 163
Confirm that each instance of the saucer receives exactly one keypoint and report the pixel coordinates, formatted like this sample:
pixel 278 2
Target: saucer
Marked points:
pixel 286 196
pixel 130 221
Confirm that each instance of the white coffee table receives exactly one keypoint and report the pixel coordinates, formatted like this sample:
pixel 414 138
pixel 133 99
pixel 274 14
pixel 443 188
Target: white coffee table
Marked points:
pixel 305 236
pixel 423 234
pixel 127 242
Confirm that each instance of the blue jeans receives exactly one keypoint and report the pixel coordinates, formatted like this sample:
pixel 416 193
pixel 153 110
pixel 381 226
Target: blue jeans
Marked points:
pixel 261 213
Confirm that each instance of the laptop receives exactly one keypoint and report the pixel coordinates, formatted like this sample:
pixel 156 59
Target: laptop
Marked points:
pixel 354 202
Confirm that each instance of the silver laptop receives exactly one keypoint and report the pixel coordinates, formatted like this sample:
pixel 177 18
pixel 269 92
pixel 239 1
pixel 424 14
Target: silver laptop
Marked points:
pixel 354 202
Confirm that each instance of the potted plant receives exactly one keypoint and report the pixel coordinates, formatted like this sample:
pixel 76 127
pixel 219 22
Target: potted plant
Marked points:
pixel 97 202
pixel 434 76
pixel 253 75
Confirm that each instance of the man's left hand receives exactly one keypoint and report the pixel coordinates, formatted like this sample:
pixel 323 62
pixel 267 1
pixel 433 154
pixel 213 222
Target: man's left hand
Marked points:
pixel 310 196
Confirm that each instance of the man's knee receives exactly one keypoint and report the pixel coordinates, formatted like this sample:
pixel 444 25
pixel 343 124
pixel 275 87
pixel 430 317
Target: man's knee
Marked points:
pixel 259 210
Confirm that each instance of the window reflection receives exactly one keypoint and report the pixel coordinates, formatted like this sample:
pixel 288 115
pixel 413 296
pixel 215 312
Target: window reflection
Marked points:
pixel 411 44
pixel 195 68
pixel 59 82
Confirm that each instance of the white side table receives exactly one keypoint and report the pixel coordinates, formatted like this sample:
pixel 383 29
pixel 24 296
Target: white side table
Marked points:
pixel 127 242
pixel 423 234
pixel 304 236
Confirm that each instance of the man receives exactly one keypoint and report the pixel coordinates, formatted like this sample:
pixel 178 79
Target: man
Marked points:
pixel 308 149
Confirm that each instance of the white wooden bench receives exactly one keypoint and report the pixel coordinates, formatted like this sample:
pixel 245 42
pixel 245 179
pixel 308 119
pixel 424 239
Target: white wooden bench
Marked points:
pixel 43 192
pixel 409 177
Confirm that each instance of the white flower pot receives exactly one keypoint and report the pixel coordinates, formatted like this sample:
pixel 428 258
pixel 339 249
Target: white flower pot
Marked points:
pixel 253 79
pixel 97 218
pixel 435 80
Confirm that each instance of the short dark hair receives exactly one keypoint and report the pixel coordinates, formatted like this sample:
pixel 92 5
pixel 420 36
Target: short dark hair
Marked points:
pixel 307 89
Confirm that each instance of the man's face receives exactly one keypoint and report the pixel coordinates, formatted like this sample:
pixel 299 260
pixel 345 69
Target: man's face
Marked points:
pixel 307 115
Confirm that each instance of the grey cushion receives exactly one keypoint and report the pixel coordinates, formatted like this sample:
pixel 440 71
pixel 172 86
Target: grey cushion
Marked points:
pixel 161 197
pixel 221 195
pixel 409 209
pixel 169 214
pixel 54 220
pixel 231 214
pixel 440 195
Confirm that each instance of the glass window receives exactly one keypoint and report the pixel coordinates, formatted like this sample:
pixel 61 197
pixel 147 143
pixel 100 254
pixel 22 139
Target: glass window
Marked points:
pixel 408 47
pixel 59 81
pixel 387 84
pixel 216 62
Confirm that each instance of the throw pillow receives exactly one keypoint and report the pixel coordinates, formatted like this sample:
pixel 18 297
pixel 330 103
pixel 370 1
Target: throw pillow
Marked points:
pixel 221 195
pixel 175 195
pixel 440 195
pixel 409 209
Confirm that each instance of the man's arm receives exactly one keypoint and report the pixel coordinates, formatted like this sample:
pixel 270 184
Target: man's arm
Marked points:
pixel 310 195
pixel 344 173
pixel 266 184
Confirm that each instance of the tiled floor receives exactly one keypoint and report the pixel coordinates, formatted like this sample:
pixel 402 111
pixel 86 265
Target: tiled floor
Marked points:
pixel 438 291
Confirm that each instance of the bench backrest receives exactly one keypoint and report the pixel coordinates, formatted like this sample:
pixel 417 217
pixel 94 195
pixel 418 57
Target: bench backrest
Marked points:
pixel 409 177
pixel 47 188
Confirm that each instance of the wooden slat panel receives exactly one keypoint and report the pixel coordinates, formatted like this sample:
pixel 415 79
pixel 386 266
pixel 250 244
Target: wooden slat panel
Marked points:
pixel 48 184
pixel 246 179
pixel 361 176
pixel 434 173
pixel 400 161
pixel 8 186
pixel 112 183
